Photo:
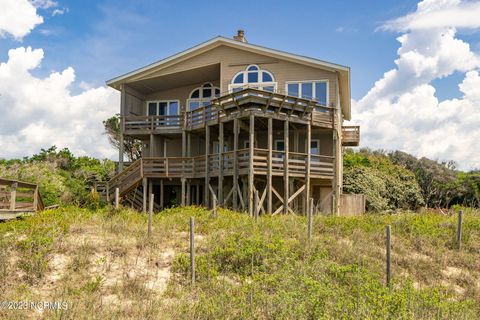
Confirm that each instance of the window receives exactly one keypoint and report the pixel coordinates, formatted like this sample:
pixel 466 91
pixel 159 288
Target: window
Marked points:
pixel 315 147
pixel 216 147
pixel 162 108
pixel 279 145
pixel 253 77
pixel 201 96
pixel 313 90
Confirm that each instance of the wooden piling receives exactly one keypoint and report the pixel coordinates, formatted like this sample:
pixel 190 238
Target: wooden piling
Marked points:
pixel 310 219
pixel 13 196
pixel 117 198
pixel 388 243
pixel 192 249
pixel 255 205
pixel 150 215
pixel 459 229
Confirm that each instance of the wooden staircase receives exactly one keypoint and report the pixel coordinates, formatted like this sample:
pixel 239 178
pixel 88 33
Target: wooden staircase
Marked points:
pixel 134 199
pixel 129 183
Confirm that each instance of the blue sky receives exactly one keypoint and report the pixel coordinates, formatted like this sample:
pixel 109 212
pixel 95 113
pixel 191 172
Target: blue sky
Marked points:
pixel 102 39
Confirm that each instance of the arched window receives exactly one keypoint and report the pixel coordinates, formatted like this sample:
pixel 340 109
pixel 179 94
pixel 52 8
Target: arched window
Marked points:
pixel 201 96
pixel 253 77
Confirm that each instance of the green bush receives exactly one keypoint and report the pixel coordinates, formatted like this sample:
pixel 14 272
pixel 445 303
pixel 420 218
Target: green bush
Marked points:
pixel 387 186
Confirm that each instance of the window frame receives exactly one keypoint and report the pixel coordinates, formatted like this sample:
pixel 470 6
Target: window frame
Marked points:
pixel 318 146
pixel 299 82
pixel 260 84
pixel 200 98
pixel 158 104
pixel 276 141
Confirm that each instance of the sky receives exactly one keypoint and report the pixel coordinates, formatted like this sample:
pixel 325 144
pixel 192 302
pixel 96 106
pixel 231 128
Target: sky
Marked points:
pixel 414 65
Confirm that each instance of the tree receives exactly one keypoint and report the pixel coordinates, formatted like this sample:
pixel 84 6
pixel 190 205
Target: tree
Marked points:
pixel 132 147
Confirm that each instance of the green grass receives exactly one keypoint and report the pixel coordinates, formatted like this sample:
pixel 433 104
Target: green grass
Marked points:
pixel 267 270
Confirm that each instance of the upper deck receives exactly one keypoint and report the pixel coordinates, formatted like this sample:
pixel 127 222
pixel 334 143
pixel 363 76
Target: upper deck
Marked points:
pixel 236 105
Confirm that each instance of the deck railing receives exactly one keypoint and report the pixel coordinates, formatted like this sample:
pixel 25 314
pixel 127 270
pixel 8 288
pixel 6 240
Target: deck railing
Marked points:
pixel 198 118
pixel 194 167
pixel 18 196
pixel 351 136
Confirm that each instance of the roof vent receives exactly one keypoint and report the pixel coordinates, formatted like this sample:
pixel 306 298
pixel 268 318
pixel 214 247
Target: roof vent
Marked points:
pixel 240 36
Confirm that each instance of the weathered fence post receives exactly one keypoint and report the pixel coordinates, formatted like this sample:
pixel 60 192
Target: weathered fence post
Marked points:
pixel 117 198
pixel 13 196
pixel 459 229
pixel 214 210
pixel 192 249
pixel 150 215
pixel 310 219
pixel 255 205
pixel 388 258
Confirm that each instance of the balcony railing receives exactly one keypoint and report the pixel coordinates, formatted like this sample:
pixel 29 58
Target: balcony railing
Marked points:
pixel 351 136
pixel 274 103
pixel 195 167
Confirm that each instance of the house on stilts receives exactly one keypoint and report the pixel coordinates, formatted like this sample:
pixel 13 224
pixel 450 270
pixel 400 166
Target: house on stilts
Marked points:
pixel 227 120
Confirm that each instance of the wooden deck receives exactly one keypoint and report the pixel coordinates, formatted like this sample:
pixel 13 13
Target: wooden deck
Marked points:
pixel 351 136
pixel 321 167
pixel 222 109
pixel 17 198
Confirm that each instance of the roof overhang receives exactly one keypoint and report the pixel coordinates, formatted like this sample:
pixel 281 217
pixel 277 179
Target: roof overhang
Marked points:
pixel 343 71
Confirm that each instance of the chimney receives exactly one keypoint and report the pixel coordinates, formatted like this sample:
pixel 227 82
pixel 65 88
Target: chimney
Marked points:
pixel 240 36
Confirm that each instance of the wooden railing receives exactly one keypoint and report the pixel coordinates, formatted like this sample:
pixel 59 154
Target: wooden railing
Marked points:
pixel 351 136
pixel 18 196
pixel 276 102
pixel 146 124
pixel 127 179
pixel 194 167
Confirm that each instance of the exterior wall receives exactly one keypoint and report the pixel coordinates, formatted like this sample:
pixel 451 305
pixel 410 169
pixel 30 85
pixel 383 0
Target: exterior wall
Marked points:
pixel 180 93
pixel 134 105
pixel 233 60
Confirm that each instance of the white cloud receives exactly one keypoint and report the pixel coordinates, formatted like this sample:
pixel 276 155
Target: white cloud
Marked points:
pixel 40 112
pixel 402 111
pixel 438 14
pixel 58 12
pixel 44 4
pixel 18 18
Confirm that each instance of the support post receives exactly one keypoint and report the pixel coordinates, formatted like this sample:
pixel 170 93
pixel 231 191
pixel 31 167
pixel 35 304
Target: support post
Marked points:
pixel 145 194
pixel 183 195
pixel 150 215
pixel 189 187
pixel 123 98
pixel 161 194
pixel 117 198
pixel 220 163
pixel 152 145
pixel 214 209
pixel 388 257
pixel 235 164
pixel 255 205
pixel 307 167
pixel 285 168
pixel 197 194
pixel 269 167
pixel 310 219
pixel 13 196
pixel 192 249
pixel 250 164
pixel 459 229
pixel 120 151
pixel 35 198
pixel 207 167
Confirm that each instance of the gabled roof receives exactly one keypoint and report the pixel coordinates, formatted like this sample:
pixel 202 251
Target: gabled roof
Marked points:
pixel 342 71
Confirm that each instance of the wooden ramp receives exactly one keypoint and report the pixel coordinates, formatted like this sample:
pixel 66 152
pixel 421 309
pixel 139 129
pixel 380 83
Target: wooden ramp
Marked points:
pixel 18 198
